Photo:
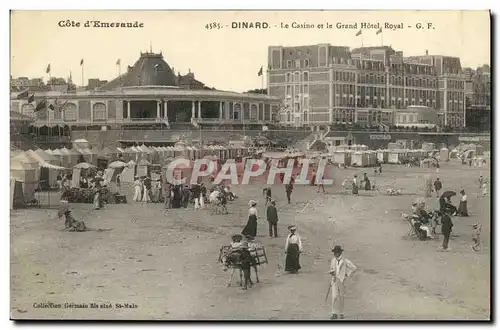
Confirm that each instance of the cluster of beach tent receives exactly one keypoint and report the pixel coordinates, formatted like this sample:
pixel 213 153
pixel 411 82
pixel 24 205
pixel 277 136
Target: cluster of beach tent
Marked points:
pixel 28 169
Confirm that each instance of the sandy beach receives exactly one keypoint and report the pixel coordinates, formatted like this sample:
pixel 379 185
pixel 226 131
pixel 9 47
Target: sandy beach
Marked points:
pixel 148 264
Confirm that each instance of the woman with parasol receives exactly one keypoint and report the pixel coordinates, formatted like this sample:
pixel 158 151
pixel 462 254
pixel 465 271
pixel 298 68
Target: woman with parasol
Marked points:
pixel 445 202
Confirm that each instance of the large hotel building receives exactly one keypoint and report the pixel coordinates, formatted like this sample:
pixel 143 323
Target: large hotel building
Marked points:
pixel 324 84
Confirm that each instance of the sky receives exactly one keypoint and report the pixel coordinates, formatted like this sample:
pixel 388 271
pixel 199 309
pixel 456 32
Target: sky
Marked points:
pixel 226 58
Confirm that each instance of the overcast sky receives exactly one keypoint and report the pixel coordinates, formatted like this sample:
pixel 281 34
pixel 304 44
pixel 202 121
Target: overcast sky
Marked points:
pixel 226 58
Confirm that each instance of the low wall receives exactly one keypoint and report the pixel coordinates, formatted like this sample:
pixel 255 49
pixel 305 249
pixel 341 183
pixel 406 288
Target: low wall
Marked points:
pixel 373 140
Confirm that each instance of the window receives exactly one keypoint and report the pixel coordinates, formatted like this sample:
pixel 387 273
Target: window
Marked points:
pixel 28 110
pixel 296 78
pixel 289 64
pixel 288 90
pixel 306 102
pixel 297 63
pixel 306 76
pixel 306 63
pixel 306 89
pixel 288 77
pixel 99 110
pixel 69 112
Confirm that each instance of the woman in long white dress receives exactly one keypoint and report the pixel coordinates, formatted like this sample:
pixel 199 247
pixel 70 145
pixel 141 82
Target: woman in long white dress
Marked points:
pixel 137 189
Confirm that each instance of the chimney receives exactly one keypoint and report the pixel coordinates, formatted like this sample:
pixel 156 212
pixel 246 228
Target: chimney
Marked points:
pixel 426 52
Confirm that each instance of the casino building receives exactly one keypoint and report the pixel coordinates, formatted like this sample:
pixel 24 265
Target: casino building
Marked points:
pixel 149 94
pixel 324 84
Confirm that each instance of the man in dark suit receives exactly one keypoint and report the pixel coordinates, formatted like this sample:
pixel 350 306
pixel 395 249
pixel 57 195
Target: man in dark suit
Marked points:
pixel 438 185
pixel 272 219
pixel 446 228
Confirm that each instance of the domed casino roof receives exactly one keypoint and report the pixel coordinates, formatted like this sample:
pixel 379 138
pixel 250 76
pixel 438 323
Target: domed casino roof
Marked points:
pixel 149 70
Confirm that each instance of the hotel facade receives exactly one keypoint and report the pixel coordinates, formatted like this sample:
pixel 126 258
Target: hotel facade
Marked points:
pixel 324 84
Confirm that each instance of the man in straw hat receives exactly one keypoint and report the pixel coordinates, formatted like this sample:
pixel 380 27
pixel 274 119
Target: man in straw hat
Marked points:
pixel 293 248
pixel 340 269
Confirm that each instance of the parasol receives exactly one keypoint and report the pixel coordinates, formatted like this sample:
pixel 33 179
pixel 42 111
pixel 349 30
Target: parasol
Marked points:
pixel 447 194
pixel 117 164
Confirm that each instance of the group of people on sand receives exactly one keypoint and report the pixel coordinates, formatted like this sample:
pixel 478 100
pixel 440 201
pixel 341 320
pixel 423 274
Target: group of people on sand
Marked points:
pixel 147 190
pixel 293 243
pixel 365 183
pixel 444 213
pixel 340 268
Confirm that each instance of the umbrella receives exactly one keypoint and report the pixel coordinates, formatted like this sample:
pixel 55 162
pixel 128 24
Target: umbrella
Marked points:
pixel 84 165
pixel 117 164
pixel 447 194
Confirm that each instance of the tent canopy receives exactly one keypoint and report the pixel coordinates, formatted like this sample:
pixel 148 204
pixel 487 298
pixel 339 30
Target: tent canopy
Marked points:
pixel 84 165
pixel 45 156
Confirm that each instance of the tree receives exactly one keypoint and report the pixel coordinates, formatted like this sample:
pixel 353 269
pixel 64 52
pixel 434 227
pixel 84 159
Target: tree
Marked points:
pixel 257 91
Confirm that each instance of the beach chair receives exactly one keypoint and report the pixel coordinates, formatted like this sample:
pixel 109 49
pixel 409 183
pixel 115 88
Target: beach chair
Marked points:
pixel 411 232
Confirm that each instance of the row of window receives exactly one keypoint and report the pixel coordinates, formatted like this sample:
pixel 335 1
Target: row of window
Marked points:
pixel 364 91
pixel 252 113
pixel 290 64
pixel 379 79
pixel 298 89
pixel 379 103
pixel 296 77
pixel 481 100
pixel 456 84
pixel 296 105
pixel 413 68
pixel 363 78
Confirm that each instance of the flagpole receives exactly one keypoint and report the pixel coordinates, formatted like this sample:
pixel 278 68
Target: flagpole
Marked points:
pixel 381 38
pixel 83 78
pixel 262 83
pixel 362 45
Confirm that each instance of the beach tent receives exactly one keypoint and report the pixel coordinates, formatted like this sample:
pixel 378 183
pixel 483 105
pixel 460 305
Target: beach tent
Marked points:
pixel 444 154
pixel 65 157
pixel 16 152
pixel 73 157
pixel 81 144
pixel 359 159
pixel 24 170
pixel 16 194
pixel 51 159
pixel 143 167
pixel 47 172
pixel 382 156
pixel 128 173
